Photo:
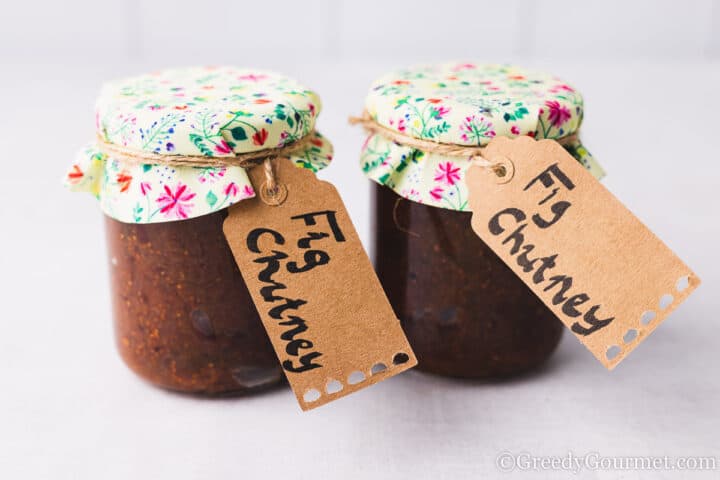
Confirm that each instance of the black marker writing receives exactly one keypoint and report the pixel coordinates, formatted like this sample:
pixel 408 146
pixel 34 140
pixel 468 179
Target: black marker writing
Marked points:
pixel 284 308
pixel 559 286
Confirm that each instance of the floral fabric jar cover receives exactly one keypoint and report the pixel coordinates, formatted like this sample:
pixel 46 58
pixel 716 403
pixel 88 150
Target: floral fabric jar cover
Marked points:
pixel 199 111
pixel 462 104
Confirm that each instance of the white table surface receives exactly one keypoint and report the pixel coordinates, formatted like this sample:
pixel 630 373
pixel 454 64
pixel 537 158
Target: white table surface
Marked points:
pixel 70 409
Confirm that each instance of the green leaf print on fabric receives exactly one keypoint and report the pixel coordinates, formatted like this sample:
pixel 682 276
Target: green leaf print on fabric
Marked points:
pixel 427 122
pixel 238 133
pixel 200 144
pixel 374 154
pixel 137 213
pixel 211 198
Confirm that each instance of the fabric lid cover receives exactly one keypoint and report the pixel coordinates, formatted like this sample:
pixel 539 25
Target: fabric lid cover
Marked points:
pixel 197 111
pixel 462 104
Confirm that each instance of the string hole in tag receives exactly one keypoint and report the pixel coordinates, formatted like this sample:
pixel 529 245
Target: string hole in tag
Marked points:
pixel 612 352
pixel 503 168
pixel 378 368
pixel 400 358
pixel 630 335
pixel 311 395
pixel 647 317
pixel 273 196
pixel 682 283
pixel 665 301
pixel 272 192
pixel 333 386
pixel 356 377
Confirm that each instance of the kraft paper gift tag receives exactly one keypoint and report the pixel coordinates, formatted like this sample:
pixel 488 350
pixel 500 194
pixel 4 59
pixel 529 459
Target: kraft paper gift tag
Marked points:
pixel 327 316
pixel 590 260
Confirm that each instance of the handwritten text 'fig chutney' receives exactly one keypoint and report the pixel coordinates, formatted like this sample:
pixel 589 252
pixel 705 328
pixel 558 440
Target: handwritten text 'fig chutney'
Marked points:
pixel 302 351
pixel 542 266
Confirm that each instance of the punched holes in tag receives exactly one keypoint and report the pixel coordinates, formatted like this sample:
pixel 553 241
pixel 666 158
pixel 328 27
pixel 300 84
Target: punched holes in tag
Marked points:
pixel 356 377
pixel 646 318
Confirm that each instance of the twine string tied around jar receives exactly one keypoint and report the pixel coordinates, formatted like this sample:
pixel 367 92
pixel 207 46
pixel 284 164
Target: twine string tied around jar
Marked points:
pixel 473 153
pixel 271 192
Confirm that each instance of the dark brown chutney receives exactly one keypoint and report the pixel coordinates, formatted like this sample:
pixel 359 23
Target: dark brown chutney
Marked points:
pixel 184 319
pixel 464 311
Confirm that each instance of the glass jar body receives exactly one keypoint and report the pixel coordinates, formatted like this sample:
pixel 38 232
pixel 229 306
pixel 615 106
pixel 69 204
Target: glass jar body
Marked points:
pixel 464 311
pixel 184 319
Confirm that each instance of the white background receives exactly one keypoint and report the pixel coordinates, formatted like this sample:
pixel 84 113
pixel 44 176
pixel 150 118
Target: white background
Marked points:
pixel 650 72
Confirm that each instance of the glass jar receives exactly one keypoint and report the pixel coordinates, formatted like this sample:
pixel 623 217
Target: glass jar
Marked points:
pixel 184 319
pixel 464 311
